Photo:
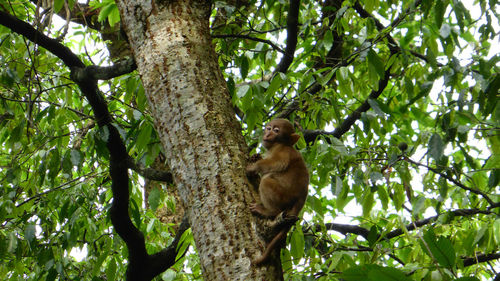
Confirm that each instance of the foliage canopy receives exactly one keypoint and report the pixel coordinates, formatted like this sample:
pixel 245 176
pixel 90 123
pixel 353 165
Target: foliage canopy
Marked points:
pixel 397 102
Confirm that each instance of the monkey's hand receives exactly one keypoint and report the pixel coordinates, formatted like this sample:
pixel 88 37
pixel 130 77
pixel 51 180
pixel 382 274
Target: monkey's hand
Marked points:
pixel 252 175
pixel 254 158
pixel 252 169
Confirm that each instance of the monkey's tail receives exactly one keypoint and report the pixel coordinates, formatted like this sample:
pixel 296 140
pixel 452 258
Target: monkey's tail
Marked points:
pixel 281 236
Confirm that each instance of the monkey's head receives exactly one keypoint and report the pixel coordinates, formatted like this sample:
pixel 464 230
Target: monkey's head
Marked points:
pixel 279 131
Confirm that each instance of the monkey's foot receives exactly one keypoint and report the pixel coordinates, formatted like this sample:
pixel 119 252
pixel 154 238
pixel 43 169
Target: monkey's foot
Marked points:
pixel 259 210
pixel 259 261
pixel 284 220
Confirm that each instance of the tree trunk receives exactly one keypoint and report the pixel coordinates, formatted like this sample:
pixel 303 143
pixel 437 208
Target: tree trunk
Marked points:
pixel 193 114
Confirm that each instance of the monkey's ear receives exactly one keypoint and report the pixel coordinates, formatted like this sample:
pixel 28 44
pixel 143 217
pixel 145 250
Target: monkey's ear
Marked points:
pixel 294 138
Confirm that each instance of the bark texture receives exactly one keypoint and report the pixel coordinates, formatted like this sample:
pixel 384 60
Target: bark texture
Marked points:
pixel 201 136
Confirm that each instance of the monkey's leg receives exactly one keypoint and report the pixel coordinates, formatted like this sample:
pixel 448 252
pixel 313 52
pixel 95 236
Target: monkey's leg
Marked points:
pixel 293 213
pixel 260 210
pixel 271 197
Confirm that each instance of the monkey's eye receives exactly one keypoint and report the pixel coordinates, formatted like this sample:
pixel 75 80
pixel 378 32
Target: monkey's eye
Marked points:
pixel 268 128
pixel 276 130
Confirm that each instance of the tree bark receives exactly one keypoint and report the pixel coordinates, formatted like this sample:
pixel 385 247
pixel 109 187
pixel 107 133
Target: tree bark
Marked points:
pixel 196 123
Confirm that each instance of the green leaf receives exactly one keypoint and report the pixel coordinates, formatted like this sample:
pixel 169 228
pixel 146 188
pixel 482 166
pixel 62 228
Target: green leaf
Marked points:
pixel 439 10
pixel 460 13
pixel 11 242
pixel 368 203
pixel 154 198
pixel 52 275
pixel 419 205
pixel 491 92
pixel 29 232
pixel 103 134
pixel 494 178
pixel 324 80
pixel 58 4
pixel 96 266
pixel 144 136
pixel 376 63
pixel 435 147
pixel 375 106
pixel 169 275
pixel 383 196
pixel 66 164
pixel 372 272
pixel 372 235
pixel 316 205
pixel 114 16
pixel 339 146
pixel 76 157
pixel 242 91
pixel 54 163
pixel 358 273
pixel 106 11
pixel 379 273
pixel 496 231
pixel 440 248
pixel 466 279
pixel 111 270
pixel 184 243
pixel 328 40
pixel 274 86
pixel 297 245
pixel 338 186
pixel 245 65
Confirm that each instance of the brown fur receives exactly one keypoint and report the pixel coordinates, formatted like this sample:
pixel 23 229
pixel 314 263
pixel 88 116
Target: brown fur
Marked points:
pixel 284 182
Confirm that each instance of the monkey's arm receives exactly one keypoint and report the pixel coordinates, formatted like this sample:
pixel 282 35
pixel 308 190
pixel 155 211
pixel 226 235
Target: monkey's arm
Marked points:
pixel 278 161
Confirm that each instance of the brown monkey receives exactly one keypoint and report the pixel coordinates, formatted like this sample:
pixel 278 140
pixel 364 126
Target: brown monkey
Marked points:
pixel 284 182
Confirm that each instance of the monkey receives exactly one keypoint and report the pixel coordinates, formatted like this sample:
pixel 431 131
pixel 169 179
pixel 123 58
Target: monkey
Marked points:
pixel 284 179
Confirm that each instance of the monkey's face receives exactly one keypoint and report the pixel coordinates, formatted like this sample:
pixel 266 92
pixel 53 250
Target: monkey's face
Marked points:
pixel 277 131
pixel 270 135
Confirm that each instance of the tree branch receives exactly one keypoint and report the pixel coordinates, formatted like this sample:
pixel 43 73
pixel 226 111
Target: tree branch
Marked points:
pixel 292 29
pixel 345 126
pixel 416 224
pixel 456 182
pixel 155 264
pixel 274 46
pixel 347 228
pixel 358 230
pixel 149 173
pixel 115 70
pixel 480 258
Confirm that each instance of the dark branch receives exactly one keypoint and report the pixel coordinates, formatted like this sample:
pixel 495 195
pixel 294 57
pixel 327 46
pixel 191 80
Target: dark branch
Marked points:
pixel 108 72
pixel 481 258
pixel 292 29
pixel 151 174
pixel 347 228
pixel 345 126
pixel 354 229
pixel 420 223
pixel 456 182
pixel 155 264
pixel 276 47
